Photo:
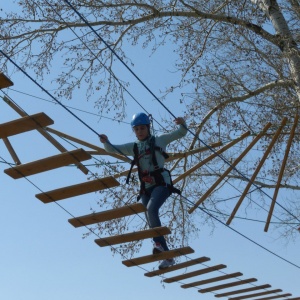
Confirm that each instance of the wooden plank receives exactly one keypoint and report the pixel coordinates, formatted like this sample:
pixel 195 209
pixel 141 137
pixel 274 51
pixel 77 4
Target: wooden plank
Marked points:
pixel 78 189
pixel 212 156
pixel 49 163
pixel 231 167
pixel 276 297
pixel 173 156
pixel 108 215
pixel 210 280
pixel 194 273
pixel 287 151
pixel 11 151
pixel 45 134
pixel 156 257
pixel 179 266
pixel 227 285
pixel 261 163
pixel 5 81
pixel 132 236
pixel 99 151
pixel 255 295
pixel 24 124
pixel 255 288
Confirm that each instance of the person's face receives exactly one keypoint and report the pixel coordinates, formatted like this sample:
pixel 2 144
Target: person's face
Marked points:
pixel 141 132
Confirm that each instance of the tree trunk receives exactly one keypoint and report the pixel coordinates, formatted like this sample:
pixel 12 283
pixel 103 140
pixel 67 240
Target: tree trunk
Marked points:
pixel 286 41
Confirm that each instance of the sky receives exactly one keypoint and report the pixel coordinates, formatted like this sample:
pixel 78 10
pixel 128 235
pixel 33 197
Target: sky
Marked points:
pixel 43 257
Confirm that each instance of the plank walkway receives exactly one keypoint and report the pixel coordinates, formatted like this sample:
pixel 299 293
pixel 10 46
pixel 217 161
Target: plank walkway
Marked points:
pixel 195 273
pixel 39 121
pixel 78 189
pixel 24 124
pixel 213 279
pixel 108 215
pixel 156 257
pixel 255 288
pixel 47 164
pixel 5 82
pixel 179 266
pixel 227 285
pixel 132 236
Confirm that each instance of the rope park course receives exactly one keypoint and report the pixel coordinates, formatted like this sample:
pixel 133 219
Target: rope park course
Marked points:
pixel 41 122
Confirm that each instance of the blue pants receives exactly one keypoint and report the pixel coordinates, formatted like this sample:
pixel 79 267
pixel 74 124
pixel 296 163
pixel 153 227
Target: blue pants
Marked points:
pixel 153 200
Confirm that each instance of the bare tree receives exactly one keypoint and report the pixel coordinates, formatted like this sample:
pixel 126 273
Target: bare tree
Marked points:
pixel 239 68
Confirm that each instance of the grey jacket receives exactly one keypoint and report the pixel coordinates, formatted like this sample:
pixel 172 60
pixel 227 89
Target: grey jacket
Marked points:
pixel 145 160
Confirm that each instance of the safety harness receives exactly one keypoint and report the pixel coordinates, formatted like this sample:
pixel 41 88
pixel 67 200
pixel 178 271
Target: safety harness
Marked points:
pixel 156 174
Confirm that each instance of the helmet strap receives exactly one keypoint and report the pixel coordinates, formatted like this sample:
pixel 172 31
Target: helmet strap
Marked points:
pixel 151 127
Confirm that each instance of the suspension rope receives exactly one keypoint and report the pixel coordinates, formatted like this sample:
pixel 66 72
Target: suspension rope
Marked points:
pixel 187 201
pixel 84 122
pixel 130 70
pixel 69 213
pixel 239 233
pixel 58 102
pixel 126 156
pixel 121 162
pixel 115 53
pixel 165 107
pixel 107 45
pixel 92 173
pixel 97 58
pixel 71 107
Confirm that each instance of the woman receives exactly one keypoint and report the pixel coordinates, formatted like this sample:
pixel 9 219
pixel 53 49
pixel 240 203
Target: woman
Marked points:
pixel 156 184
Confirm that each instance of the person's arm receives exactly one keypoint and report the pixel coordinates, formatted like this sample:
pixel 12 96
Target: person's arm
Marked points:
pixel 126 149
pixel 176 134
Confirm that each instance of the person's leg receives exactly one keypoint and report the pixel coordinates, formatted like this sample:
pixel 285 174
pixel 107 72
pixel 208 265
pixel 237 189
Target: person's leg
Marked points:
pixel 153 201
pixel 157 198
pixel 145 199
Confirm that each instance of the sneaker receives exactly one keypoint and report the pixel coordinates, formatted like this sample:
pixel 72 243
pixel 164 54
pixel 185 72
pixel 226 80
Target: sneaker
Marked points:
pixel 166 263
pixel 157 248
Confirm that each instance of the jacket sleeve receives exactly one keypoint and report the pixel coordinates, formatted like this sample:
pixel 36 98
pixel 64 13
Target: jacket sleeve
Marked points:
pixel 126 149
pixel 174 135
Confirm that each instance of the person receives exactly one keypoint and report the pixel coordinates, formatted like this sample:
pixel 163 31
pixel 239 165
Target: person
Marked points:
pixel 155 181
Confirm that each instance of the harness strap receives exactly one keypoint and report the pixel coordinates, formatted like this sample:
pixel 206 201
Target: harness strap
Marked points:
pixel 132 163
pixel 162 152
pixel 171 188
pixel 157 173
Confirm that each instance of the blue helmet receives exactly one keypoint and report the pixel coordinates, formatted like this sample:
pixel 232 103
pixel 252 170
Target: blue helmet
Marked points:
pixel 140 119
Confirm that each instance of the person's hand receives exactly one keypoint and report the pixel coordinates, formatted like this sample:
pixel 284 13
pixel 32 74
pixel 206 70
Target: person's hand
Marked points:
pixel 179 121
pixel 103 138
